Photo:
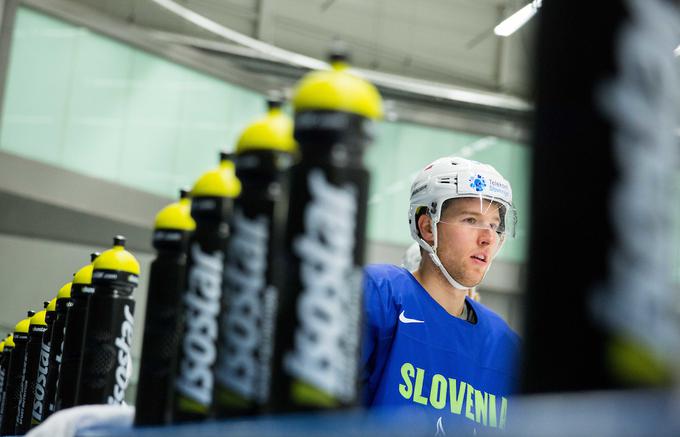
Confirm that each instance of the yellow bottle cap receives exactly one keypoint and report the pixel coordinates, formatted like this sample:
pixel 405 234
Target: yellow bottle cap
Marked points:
pixel 84 275
pixel 65 291
pixel 218 182
pixel 39 318
pixel 117 258
pixel 176 215
pixel 52 306
pixel 22 326
pixel 337 90
pixel 274 131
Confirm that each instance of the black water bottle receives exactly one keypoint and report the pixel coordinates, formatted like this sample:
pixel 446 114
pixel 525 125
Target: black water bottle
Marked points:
pixel 40 391
pixel 211 207
pixel 318 331
pixel 64 303
pixel 603 97
pixel 74 332
pixel 36 329
pixel 2 370
pixel 7 348
pixel 16 364
pixel 106 365
pixel 264 153
pixel 172 229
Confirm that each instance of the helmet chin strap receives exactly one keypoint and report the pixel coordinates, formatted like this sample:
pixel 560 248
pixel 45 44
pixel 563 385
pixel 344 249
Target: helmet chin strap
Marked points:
pixel 435 258
pixel 455 284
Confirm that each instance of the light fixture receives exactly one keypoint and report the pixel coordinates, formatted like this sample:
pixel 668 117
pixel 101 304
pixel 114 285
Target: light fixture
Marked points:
pixel 510 25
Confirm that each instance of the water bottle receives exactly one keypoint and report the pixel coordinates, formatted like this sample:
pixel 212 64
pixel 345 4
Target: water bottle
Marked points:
pixel 63 304
pixel 318 334
pixel 211 208
pixel 6 348
pixel 264 153
pixel 162 326
pixel 16 364
pixel 106 365
pixel 81 290
pixel 36 329
pixel 40 393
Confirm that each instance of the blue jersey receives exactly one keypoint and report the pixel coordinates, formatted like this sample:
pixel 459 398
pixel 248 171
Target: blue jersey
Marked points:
pixel 415 353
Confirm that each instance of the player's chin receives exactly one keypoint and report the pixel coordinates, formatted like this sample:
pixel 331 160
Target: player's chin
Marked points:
pixel 472 279
pixel 475 276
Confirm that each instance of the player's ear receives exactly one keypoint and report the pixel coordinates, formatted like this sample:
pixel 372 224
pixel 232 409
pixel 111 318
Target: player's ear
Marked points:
pixel 425 228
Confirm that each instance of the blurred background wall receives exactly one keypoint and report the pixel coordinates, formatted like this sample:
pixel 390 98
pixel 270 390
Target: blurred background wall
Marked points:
pixel 110 107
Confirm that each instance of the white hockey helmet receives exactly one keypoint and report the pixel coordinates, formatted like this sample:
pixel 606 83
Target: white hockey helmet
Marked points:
pixel 451 178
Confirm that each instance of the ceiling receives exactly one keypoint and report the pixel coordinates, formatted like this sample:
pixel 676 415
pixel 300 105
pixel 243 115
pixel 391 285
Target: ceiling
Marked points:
pixel 447 41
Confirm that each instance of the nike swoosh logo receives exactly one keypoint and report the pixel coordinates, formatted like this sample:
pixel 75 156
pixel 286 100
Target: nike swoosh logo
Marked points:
pixel 404 319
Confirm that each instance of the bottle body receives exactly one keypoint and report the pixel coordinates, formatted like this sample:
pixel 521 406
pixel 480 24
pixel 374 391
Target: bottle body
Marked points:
pixel 318 324
pixel 628 281
pixel 106 356
pixel 6 357
pixel 56 353
pixel 13 392
pixel 194 381
pixel 28 379
pixel 40 394
pixel 246 341
pixel 74 330
pixel 3 374
pixel 162 329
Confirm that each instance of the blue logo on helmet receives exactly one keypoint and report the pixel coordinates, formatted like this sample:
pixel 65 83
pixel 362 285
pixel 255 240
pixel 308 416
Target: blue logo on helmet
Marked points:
pixel 477 182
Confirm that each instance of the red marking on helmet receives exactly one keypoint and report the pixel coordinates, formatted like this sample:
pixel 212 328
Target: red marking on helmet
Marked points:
pixel 428 167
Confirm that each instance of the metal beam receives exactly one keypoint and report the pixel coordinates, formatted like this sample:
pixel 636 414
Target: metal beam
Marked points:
pixel 500 51
pixel 264 22
pixel 8 9
pixel 44 201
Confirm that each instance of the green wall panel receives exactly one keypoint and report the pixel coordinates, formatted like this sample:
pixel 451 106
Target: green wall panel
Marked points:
pixel 93 105
pixel 88 103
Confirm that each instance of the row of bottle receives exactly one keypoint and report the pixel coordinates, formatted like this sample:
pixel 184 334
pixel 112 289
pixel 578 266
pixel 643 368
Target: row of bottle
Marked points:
pixel 75 351
pixel 255 295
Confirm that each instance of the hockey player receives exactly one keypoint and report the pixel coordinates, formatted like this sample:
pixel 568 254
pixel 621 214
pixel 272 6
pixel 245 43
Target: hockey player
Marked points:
pixel 426 344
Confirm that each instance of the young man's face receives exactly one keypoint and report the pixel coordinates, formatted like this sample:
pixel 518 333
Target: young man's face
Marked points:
pixel 467 240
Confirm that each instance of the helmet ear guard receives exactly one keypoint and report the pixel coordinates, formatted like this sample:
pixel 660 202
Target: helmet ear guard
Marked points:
pixel 414 218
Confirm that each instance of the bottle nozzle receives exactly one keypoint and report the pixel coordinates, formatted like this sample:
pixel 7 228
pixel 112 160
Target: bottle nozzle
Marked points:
pixel 119 240
pixel 226 156
pixel 184 193
pixel 338 52
pixel 30 313
pixel 94 255
pixel 274 99
pixel 45 303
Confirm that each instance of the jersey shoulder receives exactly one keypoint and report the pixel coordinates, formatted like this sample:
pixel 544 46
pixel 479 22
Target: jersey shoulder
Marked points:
pixel 495 323
pixel 499 336
pixel 390 281
pixel 385 287
pixel 383 273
